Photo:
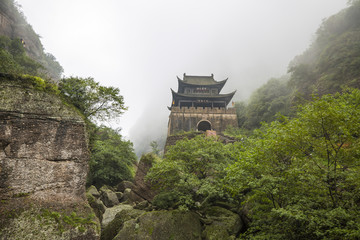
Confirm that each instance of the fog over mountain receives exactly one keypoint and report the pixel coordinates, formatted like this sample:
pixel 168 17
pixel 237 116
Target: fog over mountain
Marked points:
pixel 141 46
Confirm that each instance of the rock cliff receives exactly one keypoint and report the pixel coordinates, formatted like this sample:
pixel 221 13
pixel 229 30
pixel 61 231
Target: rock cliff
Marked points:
pixel 43 159
pixel 13 24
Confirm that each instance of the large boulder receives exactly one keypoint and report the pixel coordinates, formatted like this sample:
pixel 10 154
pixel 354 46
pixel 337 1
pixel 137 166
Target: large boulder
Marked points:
pixel 43 162
pixel 110 213
pixel 111 229
pixel 221 224
pixel 124 185
pixel 162 225
pixel 93 191
pixel 126 196
pixel 108 197
pixel 142 189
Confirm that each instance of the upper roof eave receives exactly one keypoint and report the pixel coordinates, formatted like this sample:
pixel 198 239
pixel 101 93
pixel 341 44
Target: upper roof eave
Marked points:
pixel 215 83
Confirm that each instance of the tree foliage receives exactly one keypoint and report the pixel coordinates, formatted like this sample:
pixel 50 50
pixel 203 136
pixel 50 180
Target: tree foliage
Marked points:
pixel 112 158
pixel 191 171
pixel 13 58
pixel 96 102
pixel 299 177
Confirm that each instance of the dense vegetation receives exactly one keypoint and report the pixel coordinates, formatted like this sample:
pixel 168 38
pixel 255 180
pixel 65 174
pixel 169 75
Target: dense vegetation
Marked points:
pixel 300 175
pixel 191 172
pixel 13 58
pixel 112 158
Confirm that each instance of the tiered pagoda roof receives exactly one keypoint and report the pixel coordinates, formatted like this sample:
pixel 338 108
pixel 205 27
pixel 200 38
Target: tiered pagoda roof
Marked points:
pixel 200 91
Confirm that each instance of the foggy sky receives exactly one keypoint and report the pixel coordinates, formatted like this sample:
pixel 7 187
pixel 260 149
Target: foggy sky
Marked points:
pixel 140 46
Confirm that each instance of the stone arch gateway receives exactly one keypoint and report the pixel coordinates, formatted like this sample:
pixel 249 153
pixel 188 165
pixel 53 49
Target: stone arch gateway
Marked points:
pixel 204 125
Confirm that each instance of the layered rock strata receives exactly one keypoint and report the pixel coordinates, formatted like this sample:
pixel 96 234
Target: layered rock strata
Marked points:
pixel 43 151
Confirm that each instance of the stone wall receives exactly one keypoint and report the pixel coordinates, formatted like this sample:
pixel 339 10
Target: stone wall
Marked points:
pixel 187 119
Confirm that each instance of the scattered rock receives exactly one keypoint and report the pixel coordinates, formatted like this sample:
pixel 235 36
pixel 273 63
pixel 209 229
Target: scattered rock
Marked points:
pixel 119 195
pixel 126 195
pixel 123 185
pixel 142 205
pixel 97 205
pixel 135 198
pixel 108 197
pixel 93 191
pixel 112 229
pixel 110 213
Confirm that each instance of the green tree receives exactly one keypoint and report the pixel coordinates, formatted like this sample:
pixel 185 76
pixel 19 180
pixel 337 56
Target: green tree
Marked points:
pixel 192 171
pixel 112 158
pixel 299 177
pixel 96 102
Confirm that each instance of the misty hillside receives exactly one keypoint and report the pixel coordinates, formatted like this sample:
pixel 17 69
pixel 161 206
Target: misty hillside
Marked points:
pixel 21 51
pixel 333 60
pixel 331 63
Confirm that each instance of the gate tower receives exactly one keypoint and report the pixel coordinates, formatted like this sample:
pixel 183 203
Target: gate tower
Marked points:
pixel 199 106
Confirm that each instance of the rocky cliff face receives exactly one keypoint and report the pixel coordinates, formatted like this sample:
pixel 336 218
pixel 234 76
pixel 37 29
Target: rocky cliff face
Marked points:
pixel 43 152
pixel 13 25
pixel 43 145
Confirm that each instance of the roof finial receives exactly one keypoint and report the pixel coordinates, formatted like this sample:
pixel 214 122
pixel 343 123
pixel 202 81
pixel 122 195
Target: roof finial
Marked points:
pixel 212 75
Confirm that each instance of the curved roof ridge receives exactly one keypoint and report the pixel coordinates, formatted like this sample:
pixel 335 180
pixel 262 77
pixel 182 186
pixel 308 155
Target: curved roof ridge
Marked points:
pixel 200 80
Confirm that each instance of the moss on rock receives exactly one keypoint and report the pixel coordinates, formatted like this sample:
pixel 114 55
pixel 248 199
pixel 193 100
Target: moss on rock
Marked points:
pixel 30 94
pixel 47 223
pixel 97 206
pixel 112 229
pixel 162 225
pixel 222 224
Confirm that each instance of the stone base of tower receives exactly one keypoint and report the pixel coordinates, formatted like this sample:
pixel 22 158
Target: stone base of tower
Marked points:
pixel 201 119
